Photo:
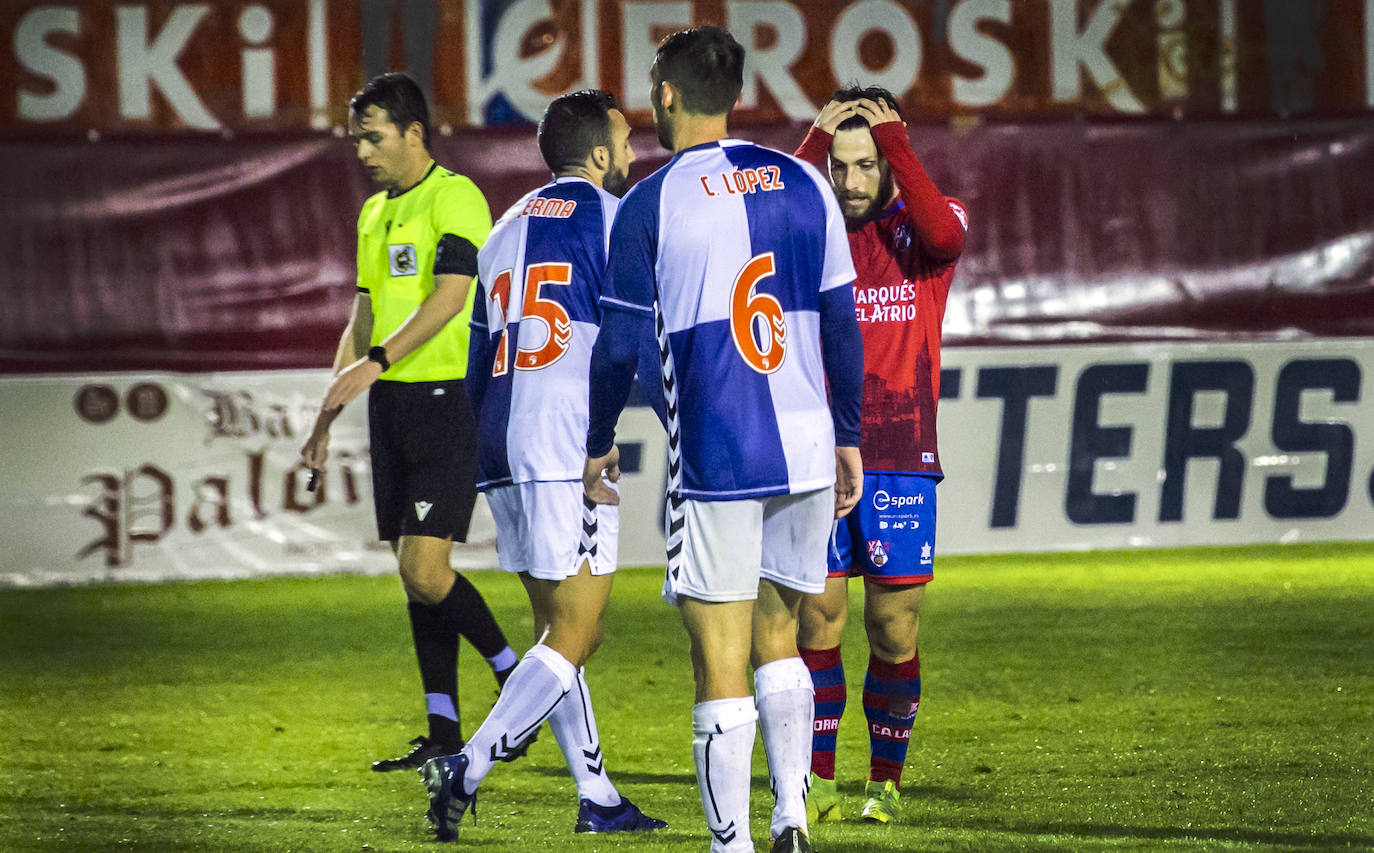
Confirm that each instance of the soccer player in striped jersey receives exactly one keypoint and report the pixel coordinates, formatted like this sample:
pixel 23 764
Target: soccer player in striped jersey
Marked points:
pixel 905 237
pixel 540 275
pixel 737 254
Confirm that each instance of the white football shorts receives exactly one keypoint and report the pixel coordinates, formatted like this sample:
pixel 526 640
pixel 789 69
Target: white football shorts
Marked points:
pixel 547 528
pixel 727 546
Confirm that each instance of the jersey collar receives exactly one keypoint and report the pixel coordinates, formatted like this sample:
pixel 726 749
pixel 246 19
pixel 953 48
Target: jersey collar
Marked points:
pixel 718 143
pixel 432 166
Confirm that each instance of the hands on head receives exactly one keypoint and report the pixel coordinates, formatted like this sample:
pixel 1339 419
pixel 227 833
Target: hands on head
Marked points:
pixel 834 113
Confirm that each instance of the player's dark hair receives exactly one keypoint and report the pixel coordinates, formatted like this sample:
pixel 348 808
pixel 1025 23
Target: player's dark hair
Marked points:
pixel 400 96
pixel 705 65
pixel 859 93
pixel 573 125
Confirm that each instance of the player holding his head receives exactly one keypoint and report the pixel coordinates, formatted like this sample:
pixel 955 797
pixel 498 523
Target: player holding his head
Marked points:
pixel 541 273
pixel 407 341
pixel 905 238
pixel 737 254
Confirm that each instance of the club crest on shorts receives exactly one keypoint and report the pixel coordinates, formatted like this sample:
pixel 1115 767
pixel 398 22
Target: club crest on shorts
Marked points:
pixel 877 552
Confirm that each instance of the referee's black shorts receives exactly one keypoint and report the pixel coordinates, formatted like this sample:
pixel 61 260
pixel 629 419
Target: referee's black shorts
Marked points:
pixel 424 458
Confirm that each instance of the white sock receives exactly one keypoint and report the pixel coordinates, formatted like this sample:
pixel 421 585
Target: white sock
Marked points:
pixel 722 749
pixel 574 725
pixel 534 689
pixel 786 711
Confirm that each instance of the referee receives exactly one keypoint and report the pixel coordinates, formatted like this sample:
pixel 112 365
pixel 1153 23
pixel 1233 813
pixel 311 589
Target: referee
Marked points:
pixel 408 342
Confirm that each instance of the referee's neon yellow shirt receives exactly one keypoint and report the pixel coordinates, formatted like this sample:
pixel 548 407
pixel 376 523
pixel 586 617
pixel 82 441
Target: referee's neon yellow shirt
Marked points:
pixel 397 239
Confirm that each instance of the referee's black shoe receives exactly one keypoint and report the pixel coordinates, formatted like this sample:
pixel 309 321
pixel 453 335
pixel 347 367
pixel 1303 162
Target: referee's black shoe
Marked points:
pixel 424 750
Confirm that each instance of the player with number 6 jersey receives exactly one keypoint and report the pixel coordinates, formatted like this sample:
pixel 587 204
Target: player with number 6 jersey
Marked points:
pixel 737 255
pixel 740 244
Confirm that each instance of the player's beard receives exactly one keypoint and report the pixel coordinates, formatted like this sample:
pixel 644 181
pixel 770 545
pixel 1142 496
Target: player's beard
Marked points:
pixel 877 204
pixel 616 181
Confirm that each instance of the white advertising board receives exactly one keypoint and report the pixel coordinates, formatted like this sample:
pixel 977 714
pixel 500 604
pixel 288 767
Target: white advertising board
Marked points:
pixel 159 476
pixel 1156 445
pixel 146 476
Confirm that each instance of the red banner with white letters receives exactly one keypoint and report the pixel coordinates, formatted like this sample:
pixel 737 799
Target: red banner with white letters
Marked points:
pixel 221 65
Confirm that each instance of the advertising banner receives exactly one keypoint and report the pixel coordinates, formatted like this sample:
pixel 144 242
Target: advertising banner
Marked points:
pixel 157 476
pixel 1156 445
pixel 225 65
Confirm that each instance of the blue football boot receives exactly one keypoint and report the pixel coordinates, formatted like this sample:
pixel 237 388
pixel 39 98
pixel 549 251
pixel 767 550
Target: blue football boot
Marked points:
pixel 625 817
pixel 447 802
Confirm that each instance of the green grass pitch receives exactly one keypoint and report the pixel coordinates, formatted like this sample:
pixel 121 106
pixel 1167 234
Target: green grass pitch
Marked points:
pixel 1179 700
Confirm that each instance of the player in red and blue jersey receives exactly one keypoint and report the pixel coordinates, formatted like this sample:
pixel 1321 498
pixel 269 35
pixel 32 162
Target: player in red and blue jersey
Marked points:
pixel 737 254
pixel 536 316
pixel 905 238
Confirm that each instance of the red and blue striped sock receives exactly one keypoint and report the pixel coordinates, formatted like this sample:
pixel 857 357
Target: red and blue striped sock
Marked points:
pixel 827 676
pixel 892 695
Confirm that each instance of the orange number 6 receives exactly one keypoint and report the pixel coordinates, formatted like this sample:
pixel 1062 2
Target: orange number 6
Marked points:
pixel 752 312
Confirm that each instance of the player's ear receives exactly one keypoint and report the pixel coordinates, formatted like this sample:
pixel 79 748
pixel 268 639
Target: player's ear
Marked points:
pixel 415 132
pixel 601 158
pixel 667 94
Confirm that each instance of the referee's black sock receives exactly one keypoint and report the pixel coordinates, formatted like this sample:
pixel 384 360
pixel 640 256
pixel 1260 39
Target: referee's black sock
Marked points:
pixel 436 650
pixel 447 731
pixel 467 611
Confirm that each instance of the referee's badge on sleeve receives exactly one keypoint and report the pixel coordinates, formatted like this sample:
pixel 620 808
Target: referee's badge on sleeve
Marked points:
pixel 402 259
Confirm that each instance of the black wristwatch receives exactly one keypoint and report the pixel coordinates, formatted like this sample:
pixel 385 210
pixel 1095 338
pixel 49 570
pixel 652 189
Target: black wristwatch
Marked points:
pixel 378 354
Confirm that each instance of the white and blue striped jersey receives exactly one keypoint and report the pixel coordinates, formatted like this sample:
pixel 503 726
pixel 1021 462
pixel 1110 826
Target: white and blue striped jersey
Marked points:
pixel 540 275
pixel 737 243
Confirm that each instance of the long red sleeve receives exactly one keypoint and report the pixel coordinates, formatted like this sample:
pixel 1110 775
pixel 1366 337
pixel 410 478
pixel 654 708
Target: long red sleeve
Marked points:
pixel 814 149
pixel 938 228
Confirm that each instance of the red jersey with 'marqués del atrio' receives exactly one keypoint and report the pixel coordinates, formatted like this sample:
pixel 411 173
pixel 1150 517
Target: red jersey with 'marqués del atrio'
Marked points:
pixel 904 260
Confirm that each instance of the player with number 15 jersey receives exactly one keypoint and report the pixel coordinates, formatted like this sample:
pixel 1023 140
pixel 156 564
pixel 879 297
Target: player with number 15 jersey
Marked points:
pixel 540 275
